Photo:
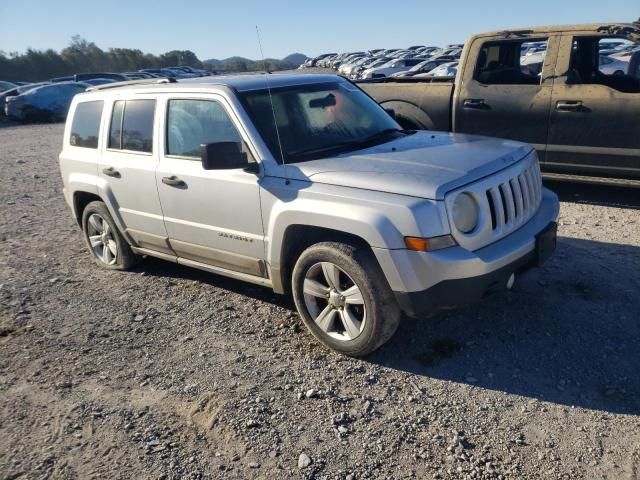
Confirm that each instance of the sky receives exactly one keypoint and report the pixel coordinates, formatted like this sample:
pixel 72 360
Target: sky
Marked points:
pixel 214 29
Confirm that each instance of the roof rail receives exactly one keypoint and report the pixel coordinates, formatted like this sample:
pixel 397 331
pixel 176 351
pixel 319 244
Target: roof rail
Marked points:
pixel 146 81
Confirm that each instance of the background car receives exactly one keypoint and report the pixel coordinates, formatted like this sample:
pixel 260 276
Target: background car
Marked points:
pixel 48 102
pixel 422 67
pixel 449 69
pixel 4 86
pixel 613 66
pixel 398 65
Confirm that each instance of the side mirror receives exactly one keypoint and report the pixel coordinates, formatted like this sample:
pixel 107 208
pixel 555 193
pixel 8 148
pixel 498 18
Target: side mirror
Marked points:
pixel 391 112
pixel 223 156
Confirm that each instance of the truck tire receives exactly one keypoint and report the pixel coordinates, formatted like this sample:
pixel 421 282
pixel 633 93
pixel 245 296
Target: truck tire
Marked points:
pixel 344 299
pixel 107 245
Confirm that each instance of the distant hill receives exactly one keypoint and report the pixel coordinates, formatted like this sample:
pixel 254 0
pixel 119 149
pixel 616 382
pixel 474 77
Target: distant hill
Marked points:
pixel 246 64
pixel 295 58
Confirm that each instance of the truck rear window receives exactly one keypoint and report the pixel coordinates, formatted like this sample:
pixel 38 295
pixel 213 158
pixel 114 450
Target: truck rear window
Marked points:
pixel 86 124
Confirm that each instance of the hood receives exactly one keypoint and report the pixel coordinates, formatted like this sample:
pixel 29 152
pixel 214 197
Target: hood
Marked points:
pixel 425 164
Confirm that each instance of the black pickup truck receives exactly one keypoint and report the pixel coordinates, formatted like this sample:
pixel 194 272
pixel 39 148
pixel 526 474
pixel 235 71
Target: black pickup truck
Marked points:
pixel 583 118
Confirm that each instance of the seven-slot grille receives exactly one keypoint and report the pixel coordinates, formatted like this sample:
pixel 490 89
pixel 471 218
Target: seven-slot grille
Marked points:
pixel 507 200
pixel 515 200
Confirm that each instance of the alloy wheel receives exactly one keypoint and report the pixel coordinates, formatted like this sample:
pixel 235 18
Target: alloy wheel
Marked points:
pixel 334 301
pixel 101 239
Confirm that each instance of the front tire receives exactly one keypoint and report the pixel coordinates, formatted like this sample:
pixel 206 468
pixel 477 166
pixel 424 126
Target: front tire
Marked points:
pixel 344 299
pixel 107 245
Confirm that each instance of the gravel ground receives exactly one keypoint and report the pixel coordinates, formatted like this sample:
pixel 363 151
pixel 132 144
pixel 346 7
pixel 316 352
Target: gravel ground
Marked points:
pixel 168 372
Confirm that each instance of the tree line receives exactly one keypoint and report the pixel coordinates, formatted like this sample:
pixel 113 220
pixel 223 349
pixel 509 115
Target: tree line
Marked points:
pixel 82 56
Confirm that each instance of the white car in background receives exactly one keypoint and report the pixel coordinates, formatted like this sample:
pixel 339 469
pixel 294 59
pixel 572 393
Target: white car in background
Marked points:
pixel 613 66
pixel 423 67
pixel 449 69
pixel 399 65
pixel 358 72
pixel 346 68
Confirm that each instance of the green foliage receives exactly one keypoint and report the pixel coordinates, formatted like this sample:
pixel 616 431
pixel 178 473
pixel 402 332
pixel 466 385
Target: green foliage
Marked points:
pixel 82 56
pixel 240 64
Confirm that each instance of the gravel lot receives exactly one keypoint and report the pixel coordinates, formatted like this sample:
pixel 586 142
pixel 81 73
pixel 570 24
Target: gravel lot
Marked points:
pixel 167 372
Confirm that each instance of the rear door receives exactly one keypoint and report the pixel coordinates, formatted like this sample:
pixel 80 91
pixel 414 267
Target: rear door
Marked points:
pixel 127 171
pixel 212 217
pixel 595 117
pixel 501 97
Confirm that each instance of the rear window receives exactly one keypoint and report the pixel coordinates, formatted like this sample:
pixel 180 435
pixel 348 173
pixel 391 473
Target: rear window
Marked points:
pixel 132 125
pixel 86 124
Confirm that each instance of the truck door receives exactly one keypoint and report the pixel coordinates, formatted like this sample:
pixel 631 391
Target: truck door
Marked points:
pixel 212 217
pixel 595 116
pixel 504 89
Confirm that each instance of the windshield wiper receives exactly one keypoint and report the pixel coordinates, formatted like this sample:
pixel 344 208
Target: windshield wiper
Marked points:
pixel 351 144
pixel 311 151
pixel 385 132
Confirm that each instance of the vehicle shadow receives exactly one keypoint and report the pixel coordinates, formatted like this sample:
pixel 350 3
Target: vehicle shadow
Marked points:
pixel 595 194
pixel 161 268
pixel 566 334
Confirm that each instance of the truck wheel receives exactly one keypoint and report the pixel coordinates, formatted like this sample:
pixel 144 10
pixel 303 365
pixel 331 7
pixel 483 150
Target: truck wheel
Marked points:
pixel 344 298
pixel 106 244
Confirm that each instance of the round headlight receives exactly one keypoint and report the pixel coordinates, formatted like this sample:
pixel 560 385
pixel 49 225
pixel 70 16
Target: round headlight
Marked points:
pixel 465 213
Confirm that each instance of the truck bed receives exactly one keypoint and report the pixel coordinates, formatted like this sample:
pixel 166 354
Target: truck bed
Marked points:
pixel 418 103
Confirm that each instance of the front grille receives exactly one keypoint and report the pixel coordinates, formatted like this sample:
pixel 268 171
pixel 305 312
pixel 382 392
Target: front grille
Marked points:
pixel 506 200
pixel 513 202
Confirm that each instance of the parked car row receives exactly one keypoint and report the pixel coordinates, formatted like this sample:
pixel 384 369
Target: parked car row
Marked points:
pixel 50 100
pixel 392 62
pixel 424 62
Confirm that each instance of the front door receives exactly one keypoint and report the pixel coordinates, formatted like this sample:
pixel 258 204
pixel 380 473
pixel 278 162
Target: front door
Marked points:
pixel 212 216
pixel 127 170
pixel 507 94
pixel 595 117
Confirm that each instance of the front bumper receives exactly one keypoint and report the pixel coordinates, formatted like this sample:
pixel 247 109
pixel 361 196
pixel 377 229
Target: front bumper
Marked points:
pixel 425 281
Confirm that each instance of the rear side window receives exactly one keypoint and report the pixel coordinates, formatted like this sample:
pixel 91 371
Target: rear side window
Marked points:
pixel 86 124
pixel 132 125
pixel 191 123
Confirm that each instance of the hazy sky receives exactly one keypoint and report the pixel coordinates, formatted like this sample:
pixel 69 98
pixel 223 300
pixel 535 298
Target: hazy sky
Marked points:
pixel 220 29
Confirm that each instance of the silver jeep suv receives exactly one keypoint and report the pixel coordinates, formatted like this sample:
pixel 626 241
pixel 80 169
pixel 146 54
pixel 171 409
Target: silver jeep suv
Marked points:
pixel 303 184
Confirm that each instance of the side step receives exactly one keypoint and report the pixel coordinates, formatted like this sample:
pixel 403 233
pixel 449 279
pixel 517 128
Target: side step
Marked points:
pixel 620 182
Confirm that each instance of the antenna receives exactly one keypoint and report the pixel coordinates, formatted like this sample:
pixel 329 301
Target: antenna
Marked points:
pixel 273 110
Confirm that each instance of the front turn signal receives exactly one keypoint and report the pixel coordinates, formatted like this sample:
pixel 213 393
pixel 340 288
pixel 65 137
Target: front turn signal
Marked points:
pixel 419 244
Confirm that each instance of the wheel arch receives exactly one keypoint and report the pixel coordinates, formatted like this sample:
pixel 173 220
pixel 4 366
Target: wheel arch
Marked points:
pixel 296 239
pixel 409 115
pixel 80 201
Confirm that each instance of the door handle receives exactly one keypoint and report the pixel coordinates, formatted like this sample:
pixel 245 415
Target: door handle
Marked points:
pixel 111 172
pixel 569 106
pixel 173 181
pixel 477 103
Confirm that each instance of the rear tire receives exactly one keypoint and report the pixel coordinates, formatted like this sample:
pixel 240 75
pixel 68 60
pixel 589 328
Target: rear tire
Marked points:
pixel 344 298
pixel 107 245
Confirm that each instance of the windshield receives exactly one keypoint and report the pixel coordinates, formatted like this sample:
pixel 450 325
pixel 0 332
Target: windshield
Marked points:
pixel 318 120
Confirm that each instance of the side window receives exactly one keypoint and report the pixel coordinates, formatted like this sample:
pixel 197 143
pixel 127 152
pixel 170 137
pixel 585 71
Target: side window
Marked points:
pixel 132 125
pixel 191 123
pixel 612 62
pixel 511 62
pixel 86 124
pixel 137 126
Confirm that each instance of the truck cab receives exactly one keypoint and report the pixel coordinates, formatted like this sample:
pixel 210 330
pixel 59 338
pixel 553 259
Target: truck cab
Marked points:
pixel 559 97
